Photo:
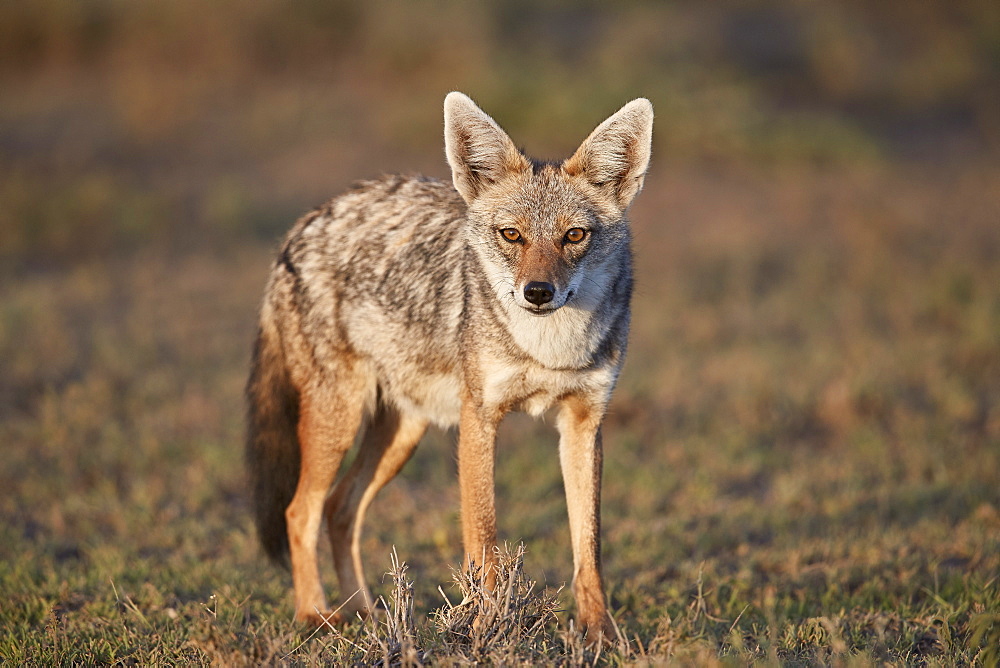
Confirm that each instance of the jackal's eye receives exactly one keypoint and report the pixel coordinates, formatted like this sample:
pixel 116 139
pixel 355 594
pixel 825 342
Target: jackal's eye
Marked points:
pixel 510 234
pixel 575 235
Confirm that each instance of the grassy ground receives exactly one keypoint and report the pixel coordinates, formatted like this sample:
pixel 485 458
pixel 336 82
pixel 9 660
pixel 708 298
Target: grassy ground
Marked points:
pixel 802 457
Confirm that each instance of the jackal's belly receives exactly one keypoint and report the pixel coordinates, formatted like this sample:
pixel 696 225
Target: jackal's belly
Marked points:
pixel 430 395
pixel 415 364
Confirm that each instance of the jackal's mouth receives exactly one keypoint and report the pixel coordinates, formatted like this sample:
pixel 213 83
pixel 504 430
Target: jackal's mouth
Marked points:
pixel 549 308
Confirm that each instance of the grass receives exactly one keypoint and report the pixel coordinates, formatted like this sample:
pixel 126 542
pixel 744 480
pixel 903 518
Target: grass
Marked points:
pixel 802 458
pixel 803 455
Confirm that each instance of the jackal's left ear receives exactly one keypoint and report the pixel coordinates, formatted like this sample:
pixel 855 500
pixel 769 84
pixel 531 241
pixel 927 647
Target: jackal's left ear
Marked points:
pixel 615 155
pixel 479 151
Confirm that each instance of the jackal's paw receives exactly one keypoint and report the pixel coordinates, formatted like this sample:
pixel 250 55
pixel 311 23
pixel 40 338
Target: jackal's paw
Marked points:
pixel 318 620
pixel 601 634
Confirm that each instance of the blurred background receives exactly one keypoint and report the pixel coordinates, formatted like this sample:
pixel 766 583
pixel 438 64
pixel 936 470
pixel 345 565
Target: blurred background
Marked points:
pixel 809 417
pixel 124 124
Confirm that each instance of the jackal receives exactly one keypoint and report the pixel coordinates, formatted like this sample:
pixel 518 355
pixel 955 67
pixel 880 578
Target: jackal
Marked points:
pixel 406 302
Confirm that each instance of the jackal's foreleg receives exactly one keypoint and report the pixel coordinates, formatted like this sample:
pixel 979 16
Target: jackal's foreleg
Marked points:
pixel 581 457
pixel 476 462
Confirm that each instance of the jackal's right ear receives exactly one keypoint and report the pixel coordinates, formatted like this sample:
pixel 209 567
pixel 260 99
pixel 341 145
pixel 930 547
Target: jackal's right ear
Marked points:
pixel 479 151
pixel 615 156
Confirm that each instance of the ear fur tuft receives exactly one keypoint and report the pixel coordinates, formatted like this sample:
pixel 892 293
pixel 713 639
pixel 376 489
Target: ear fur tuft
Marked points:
pixel 479 152
pixel 615 156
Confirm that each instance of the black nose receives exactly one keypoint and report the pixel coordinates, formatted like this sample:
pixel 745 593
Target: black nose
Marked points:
pixel 539 293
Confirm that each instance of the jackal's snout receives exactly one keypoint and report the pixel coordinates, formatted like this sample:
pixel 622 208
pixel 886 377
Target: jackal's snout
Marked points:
pixel 539 292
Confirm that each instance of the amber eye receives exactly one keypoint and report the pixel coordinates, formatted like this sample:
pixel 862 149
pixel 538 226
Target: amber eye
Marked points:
pixel 510 234
pixel 575 235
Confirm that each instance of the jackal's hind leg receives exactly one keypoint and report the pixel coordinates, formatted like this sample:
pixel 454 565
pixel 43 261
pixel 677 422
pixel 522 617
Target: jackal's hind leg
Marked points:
pixel 328 422
pixel 387 445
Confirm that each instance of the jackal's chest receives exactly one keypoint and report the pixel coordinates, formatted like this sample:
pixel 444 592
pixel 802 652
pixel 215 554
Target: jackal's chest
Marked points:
pixel 533 389
pixel 519 386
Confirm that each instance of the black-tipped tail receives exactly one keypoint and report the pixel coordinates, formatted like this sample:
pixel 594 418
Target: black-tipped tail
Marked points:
pixel 272 448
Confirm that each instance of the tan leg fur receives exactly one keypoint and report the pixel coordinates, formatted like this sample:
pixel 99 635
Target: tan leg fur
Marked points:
pixel 387 445
pixel 581 457
pixel 327 424
pixel 476 461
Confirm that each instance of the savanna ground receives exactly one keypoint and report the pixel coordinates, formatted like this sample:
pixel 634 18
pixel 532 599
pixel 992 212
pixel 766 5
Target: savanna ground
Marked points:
pixel 802 460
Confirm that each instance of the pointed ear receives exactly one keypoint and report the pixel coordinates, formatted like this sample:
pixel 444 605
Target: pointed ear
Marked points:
pixel 479 152
pixel 615 155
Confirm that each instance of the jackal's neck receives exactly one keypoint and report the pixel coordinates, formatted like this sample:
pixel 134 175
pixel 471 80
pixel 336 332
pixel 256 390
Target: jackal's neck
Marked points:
pixel 567 339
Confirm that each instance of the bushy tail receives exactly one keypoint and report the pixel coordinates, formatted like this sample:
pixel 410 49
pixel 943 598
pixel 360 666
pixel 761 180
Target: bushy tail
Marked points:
pixel 272 447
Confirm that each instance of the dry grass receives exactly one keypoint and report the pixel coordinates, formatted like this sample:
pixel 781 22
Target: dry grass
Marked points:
pixel 802 456
pixel 801 459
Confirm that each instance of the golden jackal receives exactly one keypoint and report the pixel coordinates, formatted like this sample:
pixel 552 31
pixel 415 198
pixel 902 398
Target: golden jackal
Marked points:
pixel 407 301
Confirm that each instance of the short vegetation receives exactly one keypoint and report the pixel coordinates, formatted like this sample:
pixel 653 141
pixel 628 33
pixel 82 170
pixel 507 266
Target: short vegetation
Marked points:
pixel 803 455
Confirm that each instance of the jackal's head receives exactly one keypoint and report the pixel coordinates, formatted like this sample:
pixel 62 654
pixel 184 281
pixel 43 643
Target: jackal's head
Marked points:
pixel 549 234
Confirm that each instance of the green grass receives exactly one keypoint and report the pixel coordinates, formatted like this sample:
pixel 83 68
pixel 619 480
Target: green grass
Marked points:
pixel 802 458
